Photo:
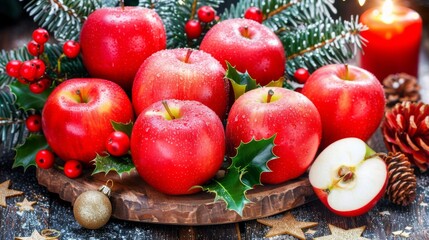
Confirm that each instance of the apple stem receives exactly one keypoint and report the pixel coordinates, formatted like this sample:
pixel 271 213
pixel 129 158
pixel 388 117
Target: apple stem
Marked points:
pixel 79 93
pixel 347 71
pixel 122 4
pixel 270 95
pixel 167 108
pixel 188 55
pixel 245 32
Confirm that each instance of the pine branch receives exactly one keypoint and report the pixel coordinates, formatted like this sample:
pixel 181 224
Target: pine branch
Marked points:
pixel 64 18
pixel 284 13
pixel 325 42
pixel 12 122
pixel 175 14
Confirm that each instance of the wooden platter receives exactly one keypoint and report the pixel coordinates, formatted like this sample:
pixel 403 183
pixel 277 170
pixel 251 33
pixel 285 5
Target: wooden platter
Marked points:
pixel 134 200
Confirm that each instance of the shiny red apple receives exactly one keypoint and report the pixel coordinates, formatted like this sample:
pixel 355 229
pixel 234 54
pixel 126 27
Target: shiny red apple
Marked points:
pixel 249 46
pixel 115 42
pixel 350 101
pixel 290 116
pixel 182 74
pixel 77 115
pixel 348 177
pixel 177 144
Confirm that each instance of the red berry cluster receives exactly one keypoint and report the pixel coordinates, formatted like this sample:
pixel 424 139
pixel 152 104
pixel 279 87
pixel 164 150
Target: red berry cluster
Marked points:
pixel 45 159
pixel 118 144
pixel 194 27
pixel 33 72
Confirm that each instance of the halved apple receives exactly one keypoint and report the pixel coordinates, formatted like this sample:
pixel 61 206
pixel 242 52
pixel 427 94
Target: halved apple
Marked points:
pixel 349 177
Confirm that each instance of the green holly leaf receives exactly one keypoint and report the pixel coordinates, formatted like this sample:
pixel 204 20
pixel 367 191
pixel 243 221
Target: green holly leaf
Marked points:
pixel 241 82
pixel 127 128
pixel 27 100
pixel 108 163
pixel 252 158
pixel 26 153
pixel 243 174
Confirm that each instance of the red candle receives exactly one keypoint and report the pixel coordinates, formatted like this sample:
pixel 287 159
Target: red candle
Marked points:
pixel 394 37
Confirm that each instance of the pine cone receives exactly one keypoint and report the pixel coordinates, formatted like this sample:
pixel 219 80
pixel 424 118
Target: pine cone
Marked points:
pixel 402 183
pixel 400 87
pixel 406 129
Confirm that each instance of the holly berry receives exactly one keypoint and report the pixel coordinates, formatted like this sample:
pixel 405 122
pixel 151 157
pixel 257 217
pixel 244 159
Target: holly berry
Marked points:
pixel 206 14
pixel 298 89
pixel 40 67
pixel 45 159
pixel 254 13
pixel 34 123
pixel 40 86
pixel 193 29
pixel 73 168
pixel 301 75
pixel 71 48
pixel 118 144
pixel 28 70
pixel 40 35
pixel 12 68
pixel 35 49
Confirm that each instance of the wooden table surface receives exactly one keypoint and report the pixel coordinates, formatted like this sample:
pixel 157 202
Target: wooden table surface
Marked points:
pixel 52 212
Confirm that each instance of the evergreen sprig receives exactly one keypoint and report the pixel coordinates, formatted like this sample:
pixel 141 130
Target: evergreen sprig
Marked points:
pixel 321 43
pixel 64 18
pixel 284 13
pixel 12 121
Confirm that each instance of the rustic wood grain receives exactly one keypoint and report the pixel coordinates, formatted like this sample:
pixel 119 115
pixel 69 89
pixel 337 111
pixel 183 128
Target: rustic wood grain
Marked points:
pixel 134 200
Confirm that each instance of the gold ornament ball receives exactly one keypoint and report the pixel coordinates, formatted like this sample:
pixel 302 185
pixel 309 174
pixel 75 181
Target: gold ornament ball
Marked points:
pixel 92 209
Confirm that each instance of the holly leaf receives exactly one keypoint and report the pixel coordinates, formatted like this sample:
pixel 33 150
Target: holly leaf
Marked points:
pixel 243 174
pixel 26 152
pixel 27 100
pixel 252 159
pixel 276 83
pixel 127 128
pixel 230 189
pixel 241 82
pixel 108 163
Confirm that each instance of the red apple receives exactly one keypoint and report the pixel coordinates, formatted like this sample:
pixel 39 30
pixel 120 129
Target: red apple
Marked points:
pixel 348 177
pixel 247 45
pixel 288 114
pixel 350 101
pixel 115 42
pixel 77 115
pixel 177 146
pixel 182 74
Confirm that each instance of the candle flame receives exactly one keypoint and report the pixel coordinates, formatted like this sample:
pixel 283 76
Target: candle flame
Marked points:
pixel 361 2
pixel 387 11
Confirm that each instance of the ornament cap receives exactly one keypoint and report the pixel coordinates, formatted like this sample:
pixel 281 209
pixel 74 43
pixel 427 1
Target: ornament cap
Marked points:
pixel 106 189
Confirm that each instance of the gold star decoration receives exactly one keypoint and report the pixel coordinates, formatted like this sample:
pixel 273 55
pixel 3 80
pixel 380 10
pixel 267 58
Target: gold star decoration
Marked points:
pixel 47 234
pixel 6 192
pixel 286 225
pixel 26 205
pixel 341 234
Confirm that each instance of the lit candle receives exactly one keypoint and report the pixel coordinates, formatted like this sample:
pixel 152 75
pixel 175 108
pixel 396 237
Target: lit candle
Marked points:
pixel 394 37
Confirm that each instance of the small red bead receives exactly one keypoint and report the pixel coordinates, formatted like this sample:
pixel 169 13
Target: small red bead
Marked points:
pixel 254 13
pixel 301 75
pixel 118 144
pixel 73 168
pixel 12 68
pixel 40 35
pixel 206 14
pixel 193 29
pixel 45 159
pixel 34 48
pixel 28 71
pixel 71 49
pixel 34 123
